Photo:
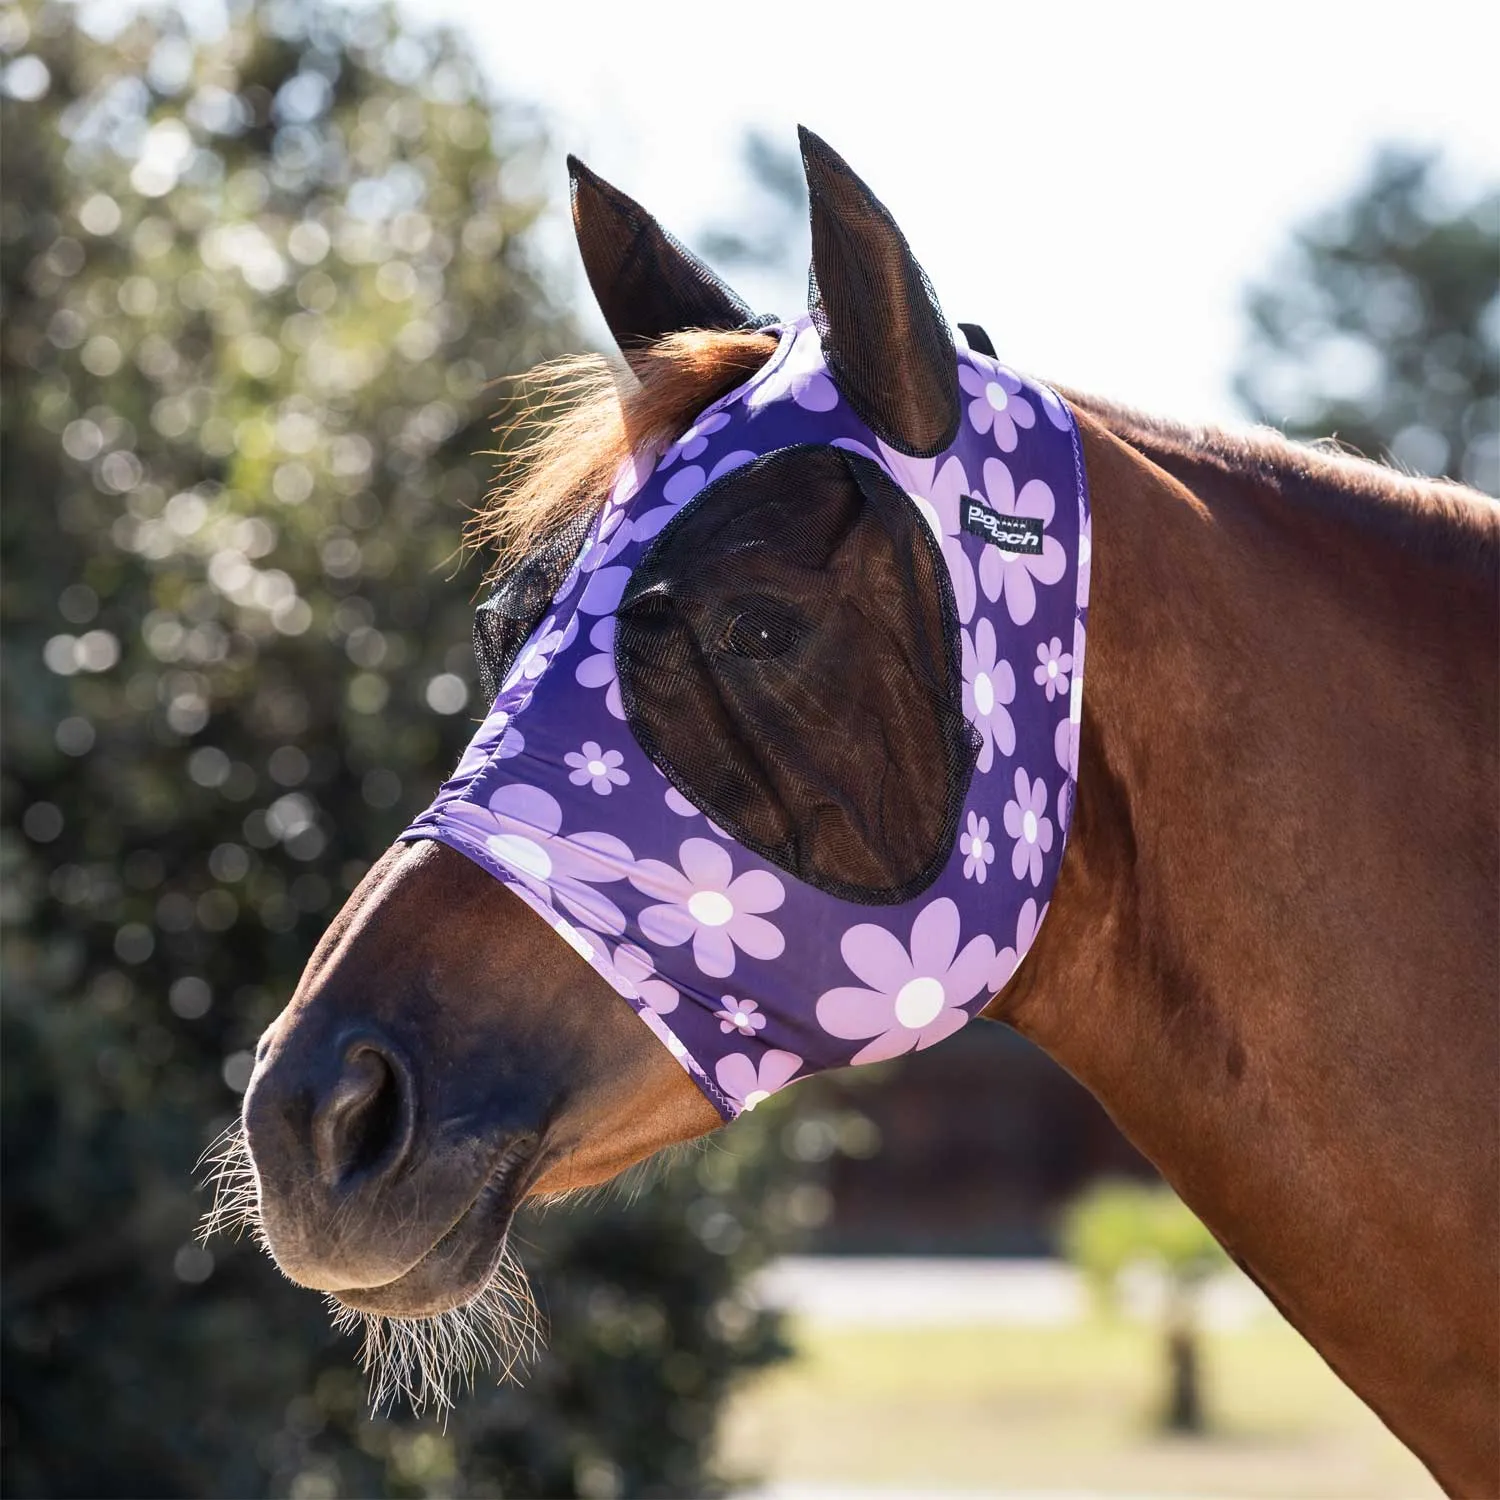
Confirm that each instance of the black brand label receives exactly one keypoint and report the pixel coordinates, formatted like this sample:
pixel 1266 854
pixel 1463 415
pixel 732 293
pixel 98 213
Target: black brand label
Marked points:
pixel 1008 533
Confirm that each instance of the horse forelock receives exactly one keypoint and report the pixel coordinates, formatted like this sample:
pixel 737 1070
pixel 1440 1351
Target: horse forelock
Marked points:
pixel 578 419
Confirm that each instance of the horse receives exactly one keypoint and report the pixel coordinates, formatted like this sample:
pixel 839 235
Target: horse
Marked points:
pixel 1271 945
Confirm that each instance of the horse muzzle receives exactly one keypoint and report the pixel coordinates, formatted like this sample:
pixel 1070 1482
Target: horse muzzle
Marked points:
pixel 365 1191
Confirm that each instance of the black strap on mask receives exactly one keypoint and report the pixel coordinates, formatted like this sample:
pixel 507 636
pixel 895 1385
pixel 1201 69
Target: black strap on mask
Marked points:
pixel 979 340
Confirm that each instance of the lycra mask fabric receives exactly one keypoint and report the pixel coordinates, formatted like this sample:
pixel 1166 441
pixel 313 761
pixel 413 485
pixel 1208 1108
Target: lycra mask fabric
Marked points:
pixel 789 757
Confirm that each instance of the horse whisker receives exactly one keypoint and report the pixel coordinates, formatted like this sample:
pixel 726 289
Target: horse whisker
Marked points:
pixel 416 1359
pixel 421 1360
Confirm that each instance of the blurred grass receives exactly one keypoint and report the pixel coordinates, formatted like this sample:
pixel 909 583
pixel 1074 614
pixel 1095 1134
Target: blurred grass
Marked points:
pixel 1065 1409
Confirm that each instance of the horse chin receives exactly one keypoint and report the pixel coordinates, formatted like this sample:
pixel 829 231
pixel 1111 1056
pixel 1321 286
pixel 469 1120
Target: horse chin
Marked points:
pixel 464 1260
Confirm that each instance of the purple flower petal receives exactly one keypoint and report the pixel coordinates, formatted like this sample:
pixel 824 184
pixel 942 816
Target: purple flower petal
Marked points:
pixel 528 806
pixel 596 857
pixel 679 804
pixel 604 591
pixel 592 908
pixel 653 877
pixel 777 1069
pixel 966 977
pixel 668 924
pixel 757 891
pixel 713 952
pixel 730 462
pixel 853 1014
pixel 706 865
pixel 736 1075
pixel 683 485
pixel 648 525
pixel 758 937
pixel 876 956
pixel 934 937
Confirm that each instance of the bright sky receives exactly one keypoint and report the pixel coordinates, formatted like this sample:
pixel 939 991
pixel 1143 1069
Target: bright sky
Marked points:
pixel 1095 183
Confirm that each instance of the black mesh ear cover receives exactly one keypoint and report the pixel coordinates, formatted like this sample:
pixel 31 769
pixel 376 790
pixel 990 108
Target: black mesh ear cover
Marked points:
pixel 646 283
pixel 787 653
pixel 518 601
pixel 884 336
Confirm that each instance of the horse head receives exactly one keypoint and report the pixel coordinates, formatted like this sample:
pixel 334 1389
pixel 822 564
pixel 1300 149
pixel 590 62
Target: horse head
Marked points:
pixel 754 742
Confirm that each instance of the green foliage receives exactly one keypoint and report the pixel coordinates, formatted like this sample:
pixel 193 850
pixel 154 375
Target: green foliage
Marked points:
pixel 1118 1224
pixel 1383 327
pixel 257 281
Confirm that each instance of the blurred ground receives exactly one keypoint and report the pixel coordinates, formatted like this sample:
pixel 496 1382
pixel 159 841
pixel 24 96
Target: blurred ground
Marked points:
pixel 1017 1388
pixel 873 1291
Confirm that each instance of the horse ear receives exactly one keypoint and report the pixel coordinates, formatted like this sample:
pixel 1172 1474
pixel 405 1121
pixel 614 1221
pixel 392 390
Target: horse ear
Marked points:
pixel 884 336
pixel 647 285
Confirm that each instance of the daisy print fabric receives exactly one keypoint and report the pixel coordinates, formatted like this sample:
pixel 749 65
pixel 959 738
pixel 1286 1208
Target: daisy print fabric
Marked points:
pixel 751 977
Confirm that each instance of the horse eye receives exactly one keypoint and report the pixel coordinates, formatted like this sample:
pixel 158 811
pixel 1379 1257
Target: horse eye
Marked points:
pixel 762 631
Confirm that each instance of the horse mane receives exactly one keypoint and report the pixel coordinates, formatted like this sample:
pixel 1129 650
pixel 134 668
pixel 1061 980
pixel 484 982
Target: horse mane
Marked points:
pixel 1438 520
pixel 582 417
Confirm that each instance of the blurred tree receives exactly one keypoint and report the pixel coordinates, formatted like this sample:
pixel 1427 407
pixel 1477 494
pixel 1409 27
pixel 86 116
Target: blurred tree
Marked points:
pixel 1383 327
pixel 762 249
pixel 771 229
pixel 1118 1225
pixel 259 267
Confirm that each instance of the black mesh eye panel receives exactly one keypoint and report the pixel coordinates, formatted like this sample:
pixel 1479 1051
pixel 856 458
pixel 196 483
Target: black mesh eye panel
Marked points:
pixel 787 652
pixel 519 600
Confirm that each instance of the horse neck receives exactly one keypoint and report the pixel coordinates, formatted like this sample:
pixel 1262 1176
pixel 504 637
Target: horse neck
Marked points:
pixel 1271 951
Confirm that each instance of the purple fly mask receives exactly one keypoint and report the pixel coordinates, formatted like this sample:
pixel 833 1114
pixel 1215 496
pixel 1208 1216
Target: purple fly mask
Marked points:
pixel 784 743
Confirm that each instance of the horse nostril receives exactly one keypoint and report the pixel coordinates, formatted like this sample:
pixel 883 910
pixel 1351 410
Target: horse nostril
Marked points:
pixel 364 1124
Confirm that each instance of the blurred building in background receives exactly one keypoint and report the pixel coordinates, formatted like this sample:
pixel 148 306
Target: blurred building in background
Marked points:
pixel 975 1148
